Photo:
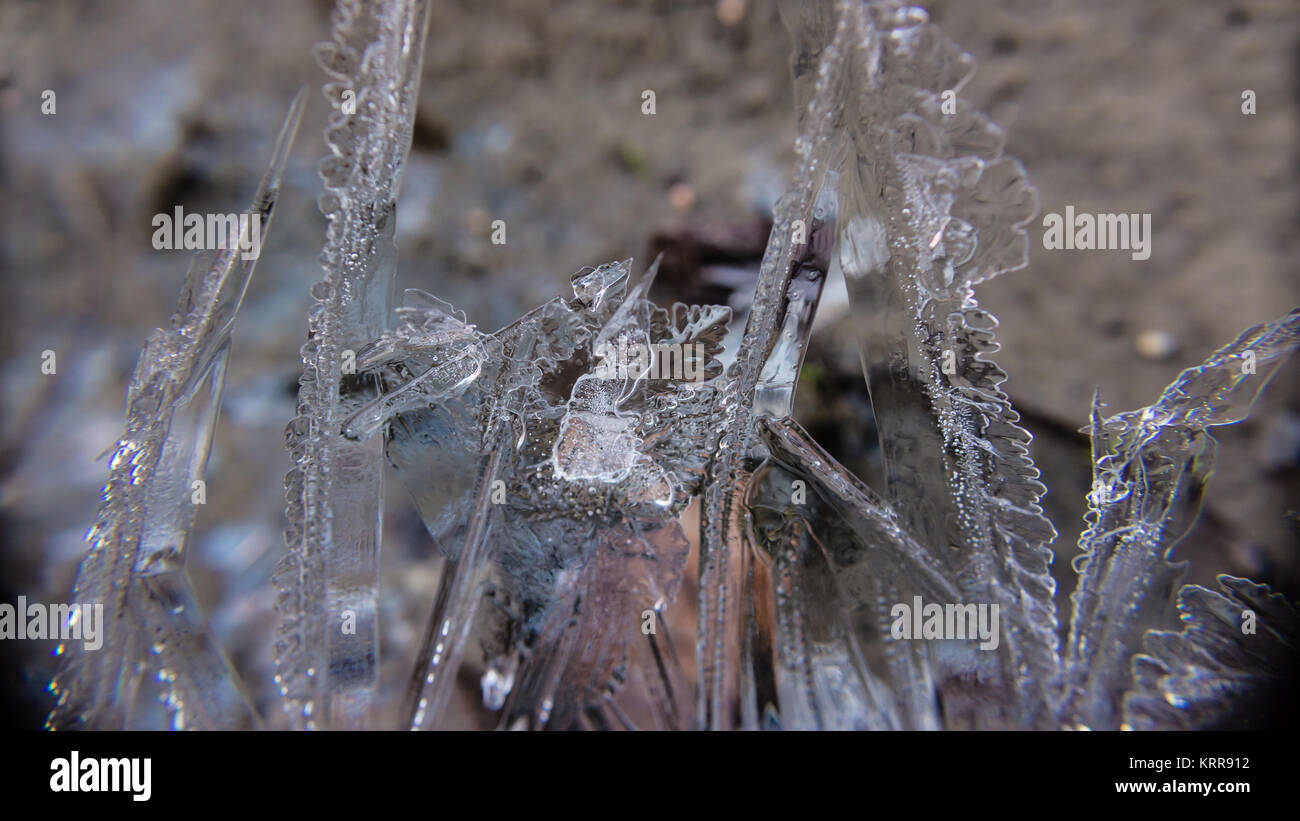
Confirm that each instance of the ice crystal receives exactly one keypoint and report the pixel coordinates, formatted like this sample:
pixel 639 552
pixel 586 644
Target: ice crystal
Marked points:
pixel 328 675
pixel 588 470
pixel 1151 467
pixel 554 484
pixel 136 564
pixel 1207 675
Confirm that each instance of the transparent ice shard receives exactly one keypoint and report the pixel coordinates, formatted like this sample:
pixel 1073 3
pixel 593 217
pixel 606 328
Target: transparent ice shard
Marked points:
pixel 136 565
pixel 550 478
pixel 1236 655
pixel 1151 468
pixel 822 558
pixel 574 675
pixel 596 439
pixel 925 206
pixel 928 208
pixel 326 675
pixel 830 559
pixel 730 469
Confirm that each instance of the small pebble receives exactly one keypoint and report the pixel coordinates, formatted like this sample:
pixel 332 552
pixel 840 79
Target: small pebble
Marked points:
pixel 681 196
pixel 478 222
pixel 1156 344
pixel 731 12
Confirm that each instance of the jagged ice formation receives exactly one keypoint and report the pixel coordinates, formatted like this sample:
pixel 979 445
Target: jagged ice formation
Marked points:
pixel 553 485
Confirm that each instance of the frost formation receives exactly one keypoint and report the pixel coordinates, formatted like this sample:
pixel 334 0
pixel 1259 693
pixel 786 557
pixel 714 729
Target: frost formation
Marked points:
pixel 555 492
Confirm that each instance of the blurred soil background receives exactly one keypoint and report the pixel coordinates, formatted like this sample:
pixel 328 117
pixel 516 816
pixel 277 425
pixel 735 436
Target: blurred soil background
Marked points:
pixel 531 112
